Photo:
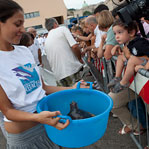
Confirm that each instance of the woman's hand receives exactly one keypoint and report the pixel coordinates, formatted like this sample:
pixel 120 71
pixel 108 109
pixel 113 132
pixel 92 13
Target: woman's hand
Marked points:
pixel 82 85
pixel 49 118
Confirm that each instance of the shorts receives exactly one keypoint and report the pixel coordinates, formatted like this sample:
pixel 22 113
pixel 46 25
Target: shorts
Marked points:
pixel 70 80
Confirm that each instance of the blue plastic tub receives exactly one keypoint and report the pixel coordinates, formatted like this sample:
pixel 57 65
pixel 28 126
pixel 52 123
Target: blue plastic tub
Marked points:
pixel 82 132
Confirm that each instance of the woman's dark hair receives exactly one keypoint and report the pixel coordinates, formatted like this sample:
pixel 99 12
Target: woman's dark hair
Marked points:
pixel 7 9
pixel 26 38
pixel 129 27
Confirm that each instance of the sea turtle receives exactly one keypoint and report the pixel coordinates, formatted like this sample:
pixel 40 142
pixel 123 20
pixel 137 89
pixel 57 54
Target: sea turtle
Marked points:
pixel 76 113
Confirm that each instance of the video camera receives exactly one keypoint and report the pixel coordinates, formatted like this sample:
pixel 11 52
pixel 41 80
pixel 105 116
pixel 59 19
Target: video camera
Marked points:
pixel 135 10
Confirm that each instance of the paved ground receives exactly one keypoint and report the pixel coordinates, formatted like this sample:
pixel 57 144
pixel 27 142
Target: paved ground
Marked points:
pixel 111 139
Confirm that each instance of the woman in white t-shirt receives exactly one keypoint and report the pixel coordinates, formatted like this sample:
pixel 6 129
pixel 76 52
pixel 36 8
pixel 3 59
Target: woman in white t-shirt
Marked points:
pixel 21 86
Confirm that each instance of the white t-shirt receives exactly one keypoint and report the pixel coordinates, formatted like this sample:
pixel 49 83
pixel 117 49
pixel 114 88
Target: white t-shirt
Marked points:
pixel 34 49
pixel 20 79
pixel 61 59
pixel 41 41
pixel 98 33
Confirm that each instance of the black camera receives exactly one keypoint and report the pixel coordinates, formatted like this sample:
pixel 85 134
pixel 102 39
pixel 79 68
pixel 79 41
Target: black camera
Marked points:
pixel 135 10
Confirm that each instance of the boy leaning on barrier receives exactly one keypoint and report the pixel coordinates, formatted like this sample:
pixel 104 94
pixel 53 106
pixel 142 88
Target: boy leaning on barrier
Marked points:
pixel 135 52
pixel 133 45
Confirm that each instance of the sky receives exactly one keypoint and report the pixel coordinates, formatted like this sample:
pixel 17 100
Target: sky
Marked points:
pixel 77 4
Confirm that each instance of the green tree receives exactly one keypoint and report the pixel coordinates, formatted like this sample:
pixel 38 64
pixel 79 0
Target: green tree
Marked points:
pixel 86 13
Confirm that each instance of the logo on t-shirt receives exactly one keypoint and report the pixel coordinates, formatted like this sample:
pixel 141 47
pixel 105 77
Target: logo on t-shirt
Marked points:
pixel 28 75
pixel 134 51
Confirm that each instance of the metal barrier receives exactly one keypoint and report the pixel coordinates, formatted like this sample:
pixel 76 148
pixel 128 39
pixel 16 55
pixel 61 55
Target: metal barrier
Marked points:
pixel 95 73
pixel 140 88
pixel 144 76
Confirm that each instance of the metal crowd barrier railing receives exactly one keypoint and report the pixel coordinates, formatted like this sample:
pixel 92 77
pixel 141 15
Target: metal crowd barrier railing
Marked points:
pixel 108 75
pixel 145 74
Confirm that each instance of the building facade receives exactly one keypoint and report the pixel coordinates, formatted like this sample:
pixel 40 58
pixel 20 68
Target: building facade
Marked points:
pixel 91 8
pixel 36 11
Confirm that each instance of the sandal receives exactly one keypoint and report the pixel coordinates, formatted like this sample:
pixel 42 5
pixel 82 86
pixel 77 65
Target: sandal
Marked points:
pixel 136 133
pixel 123 131
pixel 114 115
pixel 113 82
pixel 118 87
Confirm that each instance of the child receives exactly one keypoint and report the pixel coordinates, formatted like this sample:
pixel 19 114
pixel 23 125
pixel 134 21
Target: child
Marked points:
pixel 105 21
pixel 83 41
pixel 27 39
pixel 136 51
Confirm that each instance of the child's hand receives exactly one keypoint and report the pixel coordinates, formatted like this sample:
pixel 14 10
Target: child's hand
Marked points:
pixel 116 49
pixel 138 67
pixel 120 51
pixel 144 67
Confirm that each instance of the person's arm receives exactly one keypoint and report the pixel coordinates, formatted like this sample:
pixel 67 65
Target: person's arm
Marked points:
pixel 116 50
pixel 72 43
pixel 45 117
pixel 52 89
pixel 83 37
pixel 100 49
pixel 126 52
pixel 39 56
pixel 89 48
pixel 76 49
pixel 107 53
pixel 110 43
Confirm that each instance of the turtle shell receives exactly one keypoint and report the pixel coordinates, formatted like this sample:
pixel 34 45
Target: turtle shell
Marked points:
pixel 76 113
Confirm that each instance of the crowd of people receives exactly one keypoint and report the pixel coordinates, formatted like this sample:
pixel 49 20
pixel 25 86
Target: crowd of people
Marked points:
pixel 132 51
pixel 21 86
